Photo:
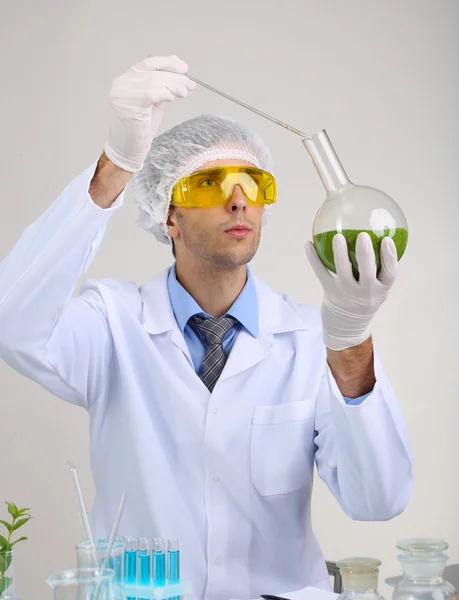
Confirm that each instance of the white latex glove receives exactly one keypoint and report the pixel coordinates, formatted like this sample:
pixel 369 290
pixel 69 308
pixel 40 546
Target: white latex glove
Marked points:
pixel 136 105
pixel 349 305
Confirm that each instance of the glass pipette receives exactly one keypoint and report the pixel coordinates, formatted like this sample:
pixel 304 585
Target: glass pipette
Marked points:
pixel 83 512
pixel 111 542
pixel 248 107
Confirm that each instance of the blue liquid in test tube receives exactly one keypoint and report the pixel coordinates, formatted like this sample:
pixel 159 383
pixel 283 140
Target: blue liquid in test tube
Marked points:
pixel 159 562
pixel 143 562
pixel 173 563
pixel 130 562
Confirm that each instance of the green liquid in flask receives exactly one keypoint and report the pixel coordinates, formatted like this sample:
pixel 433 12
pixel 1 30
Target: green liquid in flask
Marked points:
pixel 323 243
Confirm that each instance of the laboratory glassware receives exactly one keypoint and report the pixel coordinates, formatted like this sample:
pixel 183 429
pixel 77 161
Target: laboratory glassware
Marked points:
pixel 7 578
pixel 173 563
pixel 423 562
pixel 159 562
pixel 247 106
pixel 85 554
pixel 360 578
pixel 82 584
pixel 350 209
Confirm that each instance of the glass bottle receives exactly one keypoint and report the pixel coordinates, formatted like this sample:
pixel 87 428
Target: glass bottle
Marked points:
pixel 423 562
pixel 351 209
pixel 77 584
pixel 7 578
pixel 360 578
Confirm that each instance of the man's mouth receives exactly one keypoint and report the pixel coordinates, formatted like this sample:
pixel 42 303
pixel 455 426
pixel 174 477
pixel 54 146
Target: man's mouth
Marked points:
pixel 238 231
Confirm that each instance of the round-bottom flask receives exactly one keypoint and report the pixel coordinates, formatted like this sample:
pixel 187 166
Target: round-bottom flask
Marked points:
pixel 351 209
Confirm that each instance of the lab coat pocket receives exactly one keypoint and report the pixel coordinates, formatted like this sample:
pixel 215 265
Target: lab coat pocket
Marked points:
pixel 282 447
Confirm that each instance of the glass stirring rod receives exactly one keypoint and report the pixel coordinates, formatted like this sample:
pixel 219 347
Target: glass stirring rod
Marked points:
pixel 248 107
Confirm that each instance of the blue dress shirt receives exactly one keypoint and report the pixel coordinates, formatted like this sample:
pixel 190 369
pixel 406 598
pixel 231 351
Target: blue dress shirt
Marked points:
pixel 244 309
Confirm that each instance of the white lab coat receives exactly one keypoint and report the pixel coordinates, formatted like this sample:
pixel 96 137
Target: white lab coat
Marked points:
pixel 229 473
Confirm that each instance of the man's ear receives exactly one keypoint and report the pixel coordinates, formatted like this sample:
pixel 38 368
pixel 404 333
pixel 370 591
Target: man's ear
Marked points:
pixel 172 223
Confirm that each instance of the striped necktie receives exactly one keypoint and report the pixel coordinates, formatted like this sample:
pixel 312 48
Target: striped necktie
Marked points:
pixel 214 331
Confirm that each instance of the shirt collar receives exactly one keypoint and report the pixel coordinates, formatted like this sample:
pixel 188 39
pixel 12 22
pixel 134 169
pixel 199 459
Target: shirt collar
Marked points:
pixel 244 309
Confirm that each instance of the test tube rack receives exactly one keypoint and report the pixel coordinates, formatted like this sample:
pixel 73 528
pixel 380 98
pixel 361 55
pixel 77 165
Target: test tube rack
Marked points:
pixel 137 590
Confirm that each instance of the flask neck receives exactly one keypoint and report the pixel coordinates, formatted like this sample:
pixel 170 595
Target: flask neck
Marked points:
pixel 326 161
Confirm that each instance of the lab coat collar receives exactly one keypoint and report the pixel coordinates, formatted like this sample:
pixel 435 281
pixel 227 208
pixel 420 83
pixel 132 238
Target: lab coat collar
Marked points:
pixel 244 308
pixel 157 314
pixel 275 313
pixel 275 316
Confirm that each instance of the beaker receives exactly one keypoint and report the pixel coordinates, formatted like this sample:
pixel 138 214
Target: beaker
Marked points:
pixel 82 584
pixel 350 209
pixel 89 556
pixel 360 578
pixel 423 562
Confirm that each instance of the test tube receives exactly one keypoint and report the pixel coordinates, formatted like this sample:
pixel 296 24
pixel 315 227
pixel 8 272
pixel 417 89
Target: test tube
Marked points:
pixel 159 562
pixel 173 563
pixel 143 561
pixel 130 562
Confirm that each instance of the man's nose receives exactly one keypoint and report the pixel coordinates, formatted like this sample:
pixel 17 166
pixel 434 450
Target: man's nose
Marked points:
pixel 238 201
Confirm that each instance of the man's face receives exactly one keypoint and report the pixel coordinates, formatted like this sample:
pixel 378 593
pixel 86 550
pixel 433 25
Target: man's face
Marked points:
pixel 226 235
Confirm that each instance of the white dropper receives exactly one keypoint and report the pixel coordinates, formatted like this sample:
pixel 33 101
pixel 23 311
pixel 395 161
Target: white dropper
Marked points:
pixel 83 514
pixel 111 542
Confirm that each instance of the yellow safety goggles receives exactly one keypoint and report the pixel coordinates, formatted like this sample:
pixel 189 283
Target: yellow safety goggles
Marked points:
pixel 213 187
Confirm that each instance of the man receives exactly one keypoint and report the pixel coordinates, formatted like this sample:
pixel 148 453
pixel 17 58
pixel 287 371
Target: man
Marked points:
pixel 209 395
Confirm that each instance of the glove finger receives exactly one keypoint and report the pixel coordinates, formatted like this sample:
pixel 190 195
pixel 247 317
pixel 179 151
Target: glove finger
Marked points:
pixel 189 83
pixel 173 64
pixel 389 262
pixel 342 263
pixel 166 95
pixel 365 256
pixel 322 273
pixel 179 85
pixel 179 91
pixel 156 118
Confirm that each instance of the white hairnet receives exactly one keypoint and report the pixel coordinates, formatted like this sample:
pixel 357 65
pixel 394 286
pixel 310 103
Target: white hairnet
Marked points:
pixel 181 151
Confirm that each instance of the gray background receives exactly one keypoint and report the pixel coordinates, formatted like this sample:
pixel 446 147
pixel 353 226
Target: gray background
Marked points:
pixel 381 77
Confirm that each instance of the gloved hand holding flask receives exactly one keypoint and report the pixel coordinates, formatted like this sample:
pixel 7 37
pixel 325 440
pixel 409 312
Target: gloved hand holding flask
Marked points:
pixel 359 234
